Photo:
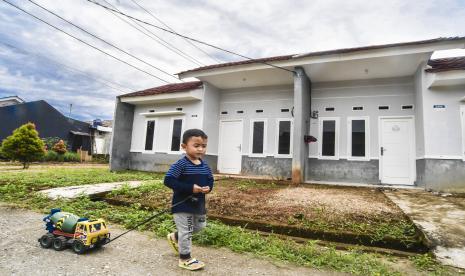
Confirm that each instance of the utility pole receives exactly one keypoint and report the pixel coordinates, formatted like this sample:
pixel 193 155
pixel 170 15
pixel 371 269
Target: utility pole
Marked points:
pixel 70 108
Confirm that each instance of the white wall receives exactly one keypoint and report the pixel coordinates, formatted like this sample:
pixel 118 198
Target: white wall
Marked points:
pixel 270 99
pixel 443 137
pixel 163 124
pixel 369 94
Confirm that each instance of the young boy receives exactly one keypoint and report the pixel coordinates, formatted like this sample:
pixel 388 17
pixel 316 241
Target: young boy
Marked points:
pixel 189 176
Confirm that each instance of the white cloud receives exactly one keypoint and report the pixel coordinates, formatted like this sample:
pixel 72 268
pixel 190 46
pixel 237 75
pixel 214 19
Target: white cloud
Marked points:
pixel 252 28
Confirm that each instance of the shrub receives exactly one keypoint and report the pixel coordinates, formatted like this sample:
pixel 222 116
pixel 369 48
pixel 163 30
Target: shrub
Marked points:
pixel 51 141
pixel 23 145
pixel 52 156
pixel 71 157
pixel 59 147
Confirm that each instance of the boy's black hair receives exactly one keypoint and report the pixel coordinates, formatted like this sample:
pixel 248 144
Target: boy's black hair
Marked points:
pixel 193 132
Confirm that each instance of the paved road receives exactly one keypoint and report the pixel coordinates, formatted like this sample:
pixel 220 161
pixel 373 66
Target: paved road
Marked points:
pixel 134 254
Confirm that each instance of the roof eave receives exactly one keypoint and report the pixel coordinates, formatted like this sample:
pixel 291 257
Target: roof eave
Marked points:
pixel 332 56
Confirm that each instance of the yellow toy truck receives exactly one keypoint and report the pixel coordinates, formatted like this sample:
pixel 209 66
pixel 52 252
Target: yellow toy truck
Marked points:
pixel 66 229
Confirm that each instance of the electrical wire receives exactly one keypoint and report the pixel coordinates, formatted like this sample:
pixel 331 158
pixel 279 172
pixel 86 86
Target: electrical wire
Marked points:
pixel 166 25
pixel 104 41
pixel 86 43
pixel 190 38
pixel 69 68
pixel 160 40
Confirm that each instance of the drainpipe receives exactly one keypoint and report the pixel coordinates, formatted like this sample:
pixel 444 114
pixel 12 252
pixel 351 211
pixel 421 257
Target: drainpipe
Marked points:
pixel 302 98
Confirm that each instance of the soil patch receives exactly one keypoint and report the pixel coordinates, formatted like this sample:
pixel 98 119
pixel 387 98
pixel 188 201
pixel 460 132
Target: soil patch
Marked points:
pixel 343 214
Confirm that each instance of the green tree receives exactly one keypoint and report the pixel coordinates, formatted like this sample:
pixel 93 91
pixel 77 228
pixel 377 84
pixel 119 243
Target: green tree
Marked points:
pixel 23 145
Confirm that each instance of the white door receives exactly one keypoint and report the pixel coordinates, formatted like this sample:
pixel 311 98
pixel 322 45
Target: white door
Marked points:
pixel 230 149
pixel 397 151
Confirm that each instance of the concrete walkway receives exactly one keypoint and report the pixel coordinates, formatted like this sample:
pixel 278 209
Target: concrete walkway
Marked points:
pixel 91 189
pixel 441 218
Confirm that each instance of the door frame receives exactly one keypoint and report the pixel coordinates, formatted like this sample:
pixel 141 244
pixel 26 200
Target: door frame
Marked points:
pixel 413 171
pixel 220 141
pixel 462 121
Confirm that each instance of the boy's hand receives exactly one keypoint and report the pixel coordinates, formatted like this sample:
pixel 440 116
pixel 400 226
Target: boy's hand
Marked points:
pixel 197 189
pixel 205 189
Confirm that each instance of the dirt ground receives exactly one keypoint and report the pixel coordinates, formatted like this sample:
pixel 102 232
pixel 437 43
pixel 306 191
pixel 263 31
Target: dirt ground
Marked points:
pixel 134 254
pixel 282 203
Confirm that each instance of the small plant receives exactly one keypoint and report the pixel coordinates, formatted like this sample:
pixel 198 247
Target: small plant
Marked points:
pixel 426 262
pixel 59 147
pixel 23 145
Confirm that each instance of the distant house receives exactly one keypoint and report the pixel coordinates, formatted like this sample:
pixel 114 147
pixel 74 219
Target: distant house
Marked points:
pixel 5 101
pixel 101 133
pixel 49 122
pixel 383 114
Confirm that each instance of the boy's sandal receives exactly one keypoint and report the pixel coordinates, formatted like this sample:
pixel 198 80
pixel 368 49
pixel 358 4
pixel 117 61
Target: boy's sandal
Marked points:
pixel 173 242
pixel 192 264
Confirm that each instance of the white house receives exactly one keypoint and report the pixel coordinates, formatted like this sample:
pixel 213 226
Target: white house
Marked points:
pixel 383 114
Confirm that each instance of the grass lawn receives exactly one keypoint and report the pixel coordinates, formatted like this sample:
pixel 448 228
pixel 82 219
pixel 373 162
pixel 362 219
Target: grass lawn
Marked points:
pixel 19 188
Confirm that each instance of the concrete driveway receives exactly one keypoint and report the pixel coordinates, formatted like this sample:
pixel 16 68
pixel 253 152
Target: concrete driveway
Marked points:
pixel 441 218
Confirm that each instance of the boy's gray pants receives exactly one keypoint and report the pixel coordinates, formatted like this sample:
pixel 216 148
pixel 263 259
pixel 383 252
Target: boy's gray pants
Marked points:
pixel 187 224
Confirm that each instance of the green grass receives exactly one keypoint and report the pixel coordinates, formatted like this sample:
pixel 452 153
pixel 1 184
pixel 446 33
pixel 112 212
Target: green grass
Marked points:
pixel 59 177
pixel 18 189
pixel 219 235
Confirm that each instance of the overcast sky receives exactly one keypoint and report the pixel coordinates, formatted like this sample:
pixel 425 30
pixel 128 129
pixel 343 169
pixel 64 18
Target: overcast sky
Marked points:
pixel 38 62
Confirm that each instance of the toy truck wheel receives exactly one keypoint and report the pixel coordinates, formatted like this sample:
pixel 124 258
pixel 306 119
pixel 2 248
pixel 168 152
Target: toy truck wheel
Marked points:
pixel 59 243
pixel 46 240
pixel 79 247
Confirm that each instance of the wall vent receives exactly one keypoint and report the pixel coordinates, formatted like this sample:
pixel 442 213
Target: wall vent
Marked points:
pixel 357 108
pixel 179 108
pixel 240 111
pixel 224 112
pixel 383 107
pixel 329 108
pixel 259 110
pixel 405 107
pixel 284 109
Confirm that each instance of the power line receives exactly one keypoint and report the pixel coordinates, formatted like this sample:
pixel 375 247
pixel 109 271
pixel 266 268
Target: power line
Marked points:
pixel 104 41
pixel 82 41
pixel 164 24
pixel 190 38
pixel 69 68
pixel 161 42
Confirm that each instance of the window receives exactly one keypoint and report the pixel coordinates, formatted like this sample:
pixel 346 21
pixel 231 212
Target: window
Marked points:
pixel 284 137
pixel 240 111
pixel 329 108
pixel 328 147
pixel 284 109
pixel 149 133
pixel 259 110
pixel 357 108
pixel 176 135
pixel 383 107
pixel 258 132
pixel 358 138
pixel 224 112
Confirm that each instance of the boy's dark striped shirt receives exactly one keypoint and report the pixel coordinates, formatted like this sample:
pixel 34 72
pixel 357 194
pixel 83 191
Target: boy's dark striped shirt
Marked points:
pixel 181 177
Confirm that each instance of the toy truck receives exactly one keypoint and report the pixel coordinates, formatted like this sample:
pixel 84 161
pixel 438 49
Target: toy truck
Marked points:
pixel 66 229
